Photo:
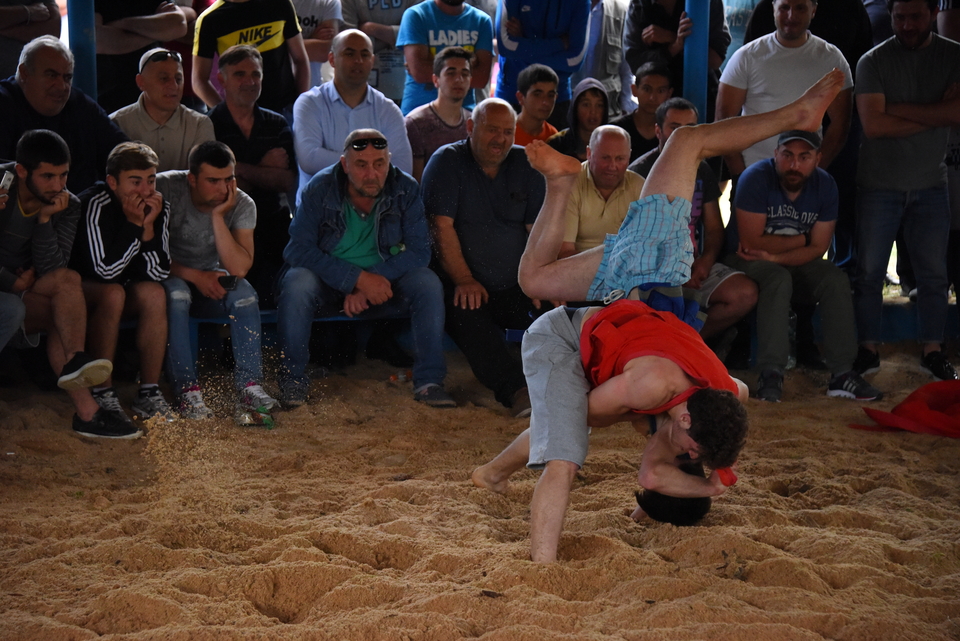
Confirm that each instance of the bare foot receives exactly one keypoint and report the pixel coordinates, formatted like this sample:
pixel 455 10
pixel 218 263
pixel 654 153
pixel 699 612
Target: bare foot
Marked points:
pixel 481 478
pixel 550 162
pixel 815 100
pixel 638 514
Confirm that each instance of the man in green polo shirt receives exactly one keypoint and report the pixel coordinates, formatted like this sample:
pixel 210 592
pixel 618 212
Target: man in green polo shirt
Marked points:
pixel 359 243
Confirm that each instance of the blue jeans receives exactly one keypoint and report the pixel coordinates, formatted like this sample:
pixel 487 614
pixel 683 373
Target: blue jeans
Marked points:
pixel 302 295
pixel 12 312
pixel 240 304
pixel 925 214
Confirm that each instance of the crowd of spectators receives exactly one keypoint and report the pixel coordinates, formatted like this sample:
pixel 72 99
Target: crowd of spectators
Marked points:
pixel 342 159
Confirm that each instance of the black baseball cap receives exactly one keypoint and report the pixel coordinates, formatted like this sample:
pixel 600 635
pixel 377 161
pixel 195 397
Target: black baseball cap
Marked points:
pixel 812 138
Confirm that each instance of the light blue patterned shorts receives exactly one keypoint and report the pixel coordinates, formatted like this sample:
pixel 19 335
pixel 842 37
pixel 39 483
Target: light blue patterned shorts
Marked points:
pixel 652 246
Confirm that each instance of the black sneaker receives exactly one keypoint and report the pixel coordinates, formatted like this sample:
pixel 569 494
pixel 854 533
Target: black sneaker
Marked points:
pixel 292 397
pixel 868 362
pixel 937 365
pixel 108 400
pixel 770 386
pixel 808 357
pixel 151 403
pixel 105 424
pixel 852 385
pixel 434 395
pixel 83 371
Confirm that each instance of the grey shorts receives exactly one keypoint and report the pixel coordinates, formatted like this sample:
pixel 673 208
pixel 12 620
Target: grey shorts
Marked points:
pixel 558 388
pixel 718 273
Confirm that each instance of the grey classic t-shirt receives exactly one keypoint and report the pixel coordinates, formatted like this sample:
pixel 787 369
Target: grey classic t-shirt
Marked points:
pixel 902 75
pixel 191 231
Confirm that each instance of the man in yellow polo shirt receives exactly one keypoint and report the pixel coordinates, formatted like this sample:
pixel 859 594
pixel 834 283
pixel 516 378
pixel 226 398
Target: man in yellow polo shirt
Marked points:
pixel 603 191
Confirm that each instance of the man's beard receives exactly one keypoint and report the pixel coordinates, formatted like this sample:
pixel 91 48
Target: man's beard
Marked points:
pixel 369 190
pixel 922 38
pixel 794 180
pixel 33 189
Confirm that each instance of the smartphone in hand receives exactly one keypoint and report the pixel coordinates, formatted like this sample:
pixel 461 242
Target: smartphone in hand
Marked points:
pixel 228 282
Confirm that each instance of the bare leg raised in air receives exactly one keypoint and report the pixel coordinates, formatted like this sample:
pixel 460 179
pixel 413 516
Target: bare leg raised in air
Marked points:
pixel 544 277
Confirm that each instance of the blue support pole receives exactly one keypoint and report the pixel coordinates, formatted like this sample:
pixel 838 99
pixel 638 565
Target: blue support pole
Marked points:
pixel 695 55
pixel 83 43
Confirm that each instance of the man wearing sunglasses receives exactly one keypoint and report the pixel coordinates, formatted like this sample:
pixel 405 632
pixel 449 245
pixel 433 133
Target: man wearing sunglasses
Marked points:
pixel 359 245
pixel 157 118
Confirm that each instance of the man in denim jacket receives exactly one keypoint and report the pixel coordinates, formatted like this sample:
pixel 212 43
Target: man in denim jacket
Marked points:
pixel 359 243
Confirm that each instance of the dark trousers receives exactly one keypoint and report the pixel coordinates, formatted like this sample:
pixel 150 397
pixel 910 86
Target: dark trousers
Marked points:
pixel 953 262
pixel 843 251
pixel 479 333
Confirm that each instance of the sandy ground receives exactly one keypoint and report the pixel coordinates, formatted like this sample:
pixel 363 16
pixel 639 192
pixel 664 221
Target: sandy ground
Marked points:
pixel 355 519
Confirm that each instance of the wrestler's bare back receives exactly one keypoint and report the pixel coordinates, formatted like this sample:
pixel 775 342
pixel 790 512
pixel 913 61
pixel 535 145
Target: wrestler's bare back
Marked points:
pixel 646 382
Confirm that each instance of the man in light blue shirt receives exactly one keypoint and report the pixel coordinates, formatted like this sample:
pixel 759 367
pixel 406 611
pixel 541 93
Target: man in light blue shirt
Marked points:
pixel 428 28
pixel 325 115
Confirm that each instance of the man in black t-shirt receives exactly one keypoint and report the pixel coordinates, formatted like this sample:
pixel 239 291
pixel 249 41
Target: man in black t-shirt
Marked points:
pixel 262 142
pixel 481 197
pixel 269 25
pixel 41 97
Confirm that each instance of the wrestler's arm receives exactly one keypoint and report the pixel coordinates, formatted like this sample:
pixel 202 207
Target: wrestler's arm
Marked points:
pixel 614 400
pixel 743 391
pixel 659 472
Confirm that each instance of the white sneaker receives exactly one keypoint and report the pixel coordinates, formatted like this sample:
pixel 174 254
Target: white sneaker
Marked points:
pixel 253 397
pixel 191 404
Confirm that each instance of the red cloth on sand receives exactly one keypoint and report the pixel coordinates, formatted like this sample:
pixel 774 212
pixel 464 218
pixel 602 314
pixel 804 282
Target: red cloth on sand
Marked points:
pixel 932 409
pixel 628 329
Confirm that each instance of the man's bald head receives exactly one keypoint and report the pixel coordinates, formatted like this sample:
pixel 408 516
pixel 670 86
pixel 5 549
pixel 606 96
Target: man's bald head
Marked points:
pixel 608 155
pixel 492 105
pixel 491 128
pixel 339 40
pixel 351 55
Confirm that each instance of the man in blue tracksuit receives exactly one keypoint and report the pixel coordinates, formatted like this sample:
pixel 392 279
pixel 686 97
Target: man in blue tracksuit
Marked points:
pixel 549 32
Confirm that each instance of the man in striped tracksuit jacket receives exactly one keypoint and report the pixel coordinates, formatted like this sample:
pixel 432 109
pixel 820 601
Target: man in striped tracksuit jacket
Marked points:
pixel 122 252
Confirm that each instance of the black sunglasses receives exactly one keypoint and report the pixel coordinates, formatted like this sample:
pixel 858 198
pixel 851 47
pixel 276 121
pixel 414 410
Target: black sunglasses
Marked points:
pixel 361 143
pixel 160 56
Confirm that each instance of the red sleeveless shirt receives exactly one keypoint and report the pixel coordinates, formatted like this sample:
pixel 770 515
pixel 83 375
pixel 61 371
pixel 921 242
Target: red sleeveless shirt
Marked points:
pixel 628 329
